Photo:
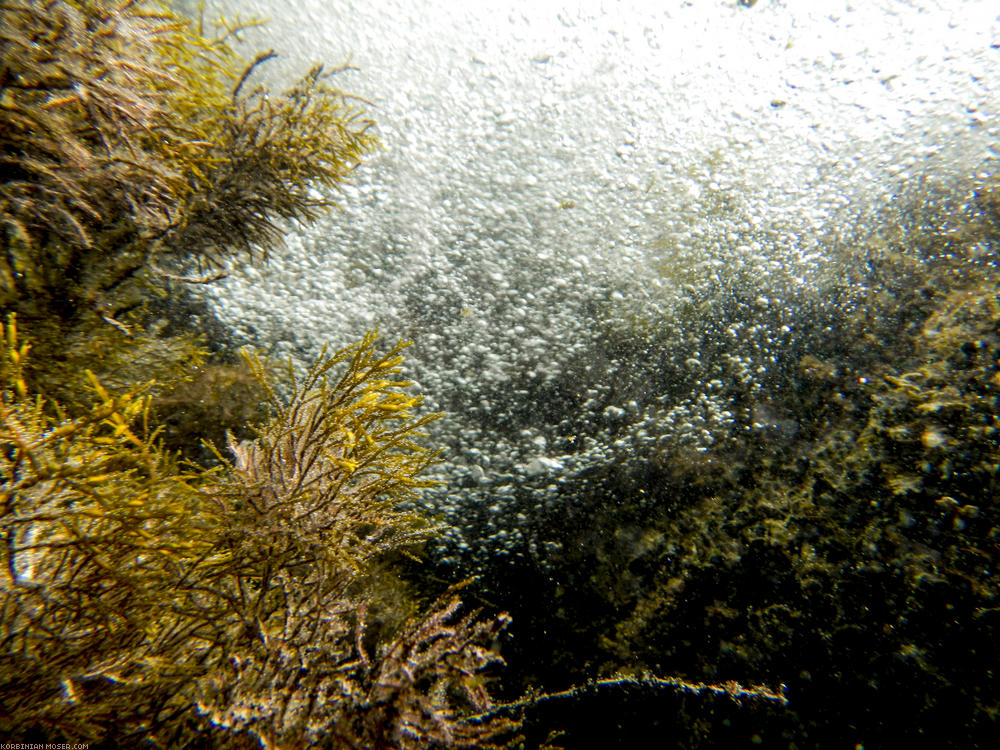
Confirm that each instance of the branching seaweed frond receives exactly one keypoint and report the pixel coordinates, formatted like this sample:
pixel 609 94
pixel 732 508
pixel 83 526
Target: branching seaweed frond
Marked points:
pixel 340 455
pixel 90 620
pixel 234 606
pixel 313 505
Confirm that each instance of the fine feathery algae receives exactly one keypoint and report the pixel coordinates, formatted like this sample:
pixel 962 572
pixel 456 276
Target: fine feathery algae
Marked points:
pixel 139 151
pixel 133 140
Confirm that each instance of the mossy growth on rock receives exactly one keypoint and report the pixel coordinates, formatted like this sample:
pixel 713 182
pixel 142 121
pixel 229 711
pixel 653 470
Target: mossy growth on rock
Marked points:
pixel 850 557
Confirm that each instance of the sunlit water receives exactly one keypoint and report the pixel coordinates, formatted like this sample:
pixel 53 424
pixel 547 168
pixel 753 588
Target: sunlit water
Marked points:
pixel 554 170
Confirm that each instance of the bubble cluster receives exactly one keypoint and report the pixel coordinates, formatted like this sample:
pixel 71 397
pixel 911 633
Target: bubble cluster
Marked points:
pixel 558 175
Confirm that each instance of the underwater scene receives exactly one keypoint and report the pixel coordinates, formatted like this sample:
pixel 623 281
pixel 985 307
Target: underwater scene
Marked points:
pixel 413 374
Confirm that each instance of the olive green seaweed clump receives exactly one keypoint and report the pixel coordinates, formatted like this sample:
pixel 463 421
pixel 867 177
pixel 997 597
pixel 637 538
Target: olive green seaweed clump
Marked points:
pixel 130 136
pixel 236 606
pixel 137 151
pixel 855 559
